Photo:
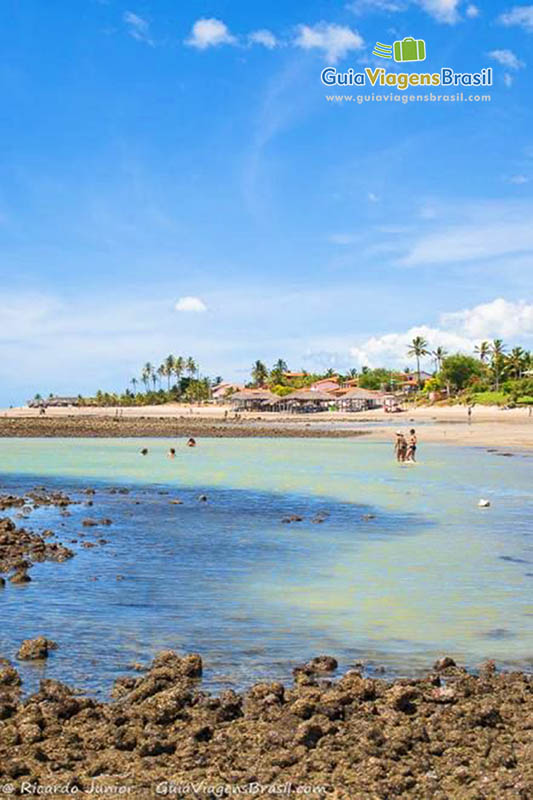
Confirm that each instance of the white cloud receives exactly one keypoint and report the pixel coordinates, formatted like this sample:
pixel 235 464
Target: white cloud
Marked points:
pixel 209 33
pixel 373 198
pixel 507 58
pixel 471 242
pixel 498 319
pixel 193 304
pixel 457 331
pixel 522 16
pixel 138 27
pixel 442 10
pixel 335 41
pixel 518 180
pixel 388 6
pixel 264 37
pixel 472 11
pixel 508 80
pixel 446 11
pixel 391 349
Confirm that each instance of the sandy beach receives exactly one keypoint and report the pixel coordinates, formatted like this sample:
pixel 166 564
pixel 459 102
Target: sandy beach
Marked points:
pixel 489 426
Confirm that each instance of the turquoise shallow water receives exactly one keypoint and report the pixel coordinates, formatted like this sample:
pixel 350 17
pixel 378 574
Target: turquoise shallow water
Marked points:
pixel 429 573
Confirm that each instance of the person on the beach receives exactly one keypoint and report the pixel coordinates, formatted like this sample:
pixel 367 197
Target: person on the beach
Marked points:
pixel 411 449
pixel 470 414
pixel 172 453
pixel 144 451
pixel 400 447
pixel 191 442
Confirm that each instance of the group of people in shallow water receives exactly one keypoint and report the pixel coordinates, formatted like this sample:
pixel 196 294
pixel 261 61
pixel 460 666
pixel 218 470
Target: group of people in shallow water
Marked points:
pixel 405 446
pixel 172 452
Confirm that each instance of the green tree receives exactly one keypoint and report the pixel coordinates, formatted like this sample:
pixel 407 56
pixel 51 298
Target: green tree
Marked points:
pixel 169 368
pixel 497 350
pixel 191 367
pixel 439 354
pixel 419 349
pixel 259 373
pixel 277 373
pixel 482 350
pixel 516 362
pixel 458 369
pixel 179 367
pixel 134 383
pixel 147 374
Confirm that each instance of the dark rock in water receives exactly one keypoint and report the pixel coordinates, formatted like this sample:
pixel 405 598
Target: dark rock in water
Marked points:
pixel 105 521
pixel 176 502
pixel 444 663
pixel 322 664
pixel 89 491
pixel 202 498
pixel 88 545
pixel 292 518
pixel 367 517
pixel 20 577
pixel 36 649
pixel 89 503
pixel 123 491
pixel 514 559
pixel 89 523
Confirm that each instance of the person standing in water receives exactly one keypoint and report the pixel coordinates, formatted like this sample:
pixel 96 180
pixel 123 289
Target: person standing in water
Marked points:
pixel 411 450
pixel 172 453
pixel 400 447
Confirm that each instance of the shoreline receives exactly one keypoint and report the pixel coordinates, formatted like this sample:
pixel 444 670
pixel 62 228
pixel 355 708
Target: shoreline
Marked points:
pixel 489 427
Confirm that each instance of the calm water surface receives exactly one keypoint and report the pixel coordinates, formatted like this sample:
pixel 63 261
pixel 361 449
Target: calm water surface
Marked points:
pixel 429 573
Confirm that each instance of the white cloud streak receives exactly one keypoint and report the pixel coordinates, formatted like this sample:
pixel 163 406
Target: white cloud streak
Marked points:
pixel 519 16
pixel 334 41
pixel 209 32
pixel 138 28
pixel 507 59
pixel 191 305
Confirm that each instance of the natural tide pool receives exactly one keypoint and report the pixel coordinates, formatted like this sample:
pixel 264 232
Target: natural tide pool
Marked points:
pixel 403 568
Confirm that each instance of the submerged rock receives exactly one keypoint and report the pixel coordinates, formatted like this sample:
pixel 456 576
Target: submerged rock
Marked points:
pixel 36 649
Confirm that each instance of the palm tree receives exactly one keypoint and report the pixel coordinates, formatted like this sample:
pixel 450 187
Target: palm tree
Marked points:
pixel 146 375
pixel 169 368
pixel 439 354
pixel 259 373
pixel 191 366
pixel 517 361
pixel 497 350
pixel 483 351
pixel 179 366
pixel 161 372
pixel 134 383
pixel 419 349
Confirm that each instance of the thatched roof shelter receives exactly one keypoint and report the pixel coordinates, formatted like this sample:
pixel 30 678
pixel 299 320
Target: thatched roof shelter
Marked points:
pixel 309 396
pixel 358 393
pixel 260 395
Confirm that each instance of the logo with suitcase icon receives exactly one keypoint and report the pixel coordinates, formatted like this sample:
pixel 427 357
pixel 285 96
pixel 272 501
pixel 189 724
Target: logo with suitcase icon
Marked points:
pixel 407 49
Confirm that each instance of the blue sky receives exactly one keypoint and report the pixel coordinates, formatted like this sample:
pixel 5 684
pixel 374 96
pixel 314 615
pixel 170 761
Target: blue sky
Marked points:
pixel 152 151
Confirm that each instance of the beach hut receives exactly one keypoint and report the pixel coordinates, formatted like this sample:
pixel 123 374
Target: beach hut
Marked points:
pixel 305 400
pixel 253 400
pixel 357 399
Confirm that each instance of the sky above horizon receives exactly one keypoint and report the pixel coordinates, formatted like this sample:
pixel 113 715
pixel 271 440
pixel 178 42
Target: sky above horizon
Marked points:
pixel 173 180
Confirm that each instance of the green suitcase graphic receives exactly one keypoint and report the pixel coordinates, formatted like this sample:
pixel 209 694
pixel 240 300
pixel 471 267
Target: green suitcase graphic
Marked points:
pixel 410 49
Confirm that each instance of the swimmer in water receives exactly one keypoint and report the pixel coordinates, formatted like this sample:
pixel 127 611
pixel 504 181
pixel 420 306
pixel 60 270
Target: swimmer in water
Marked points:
pixel 172 453
pixel 144 451
pixel 191 442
